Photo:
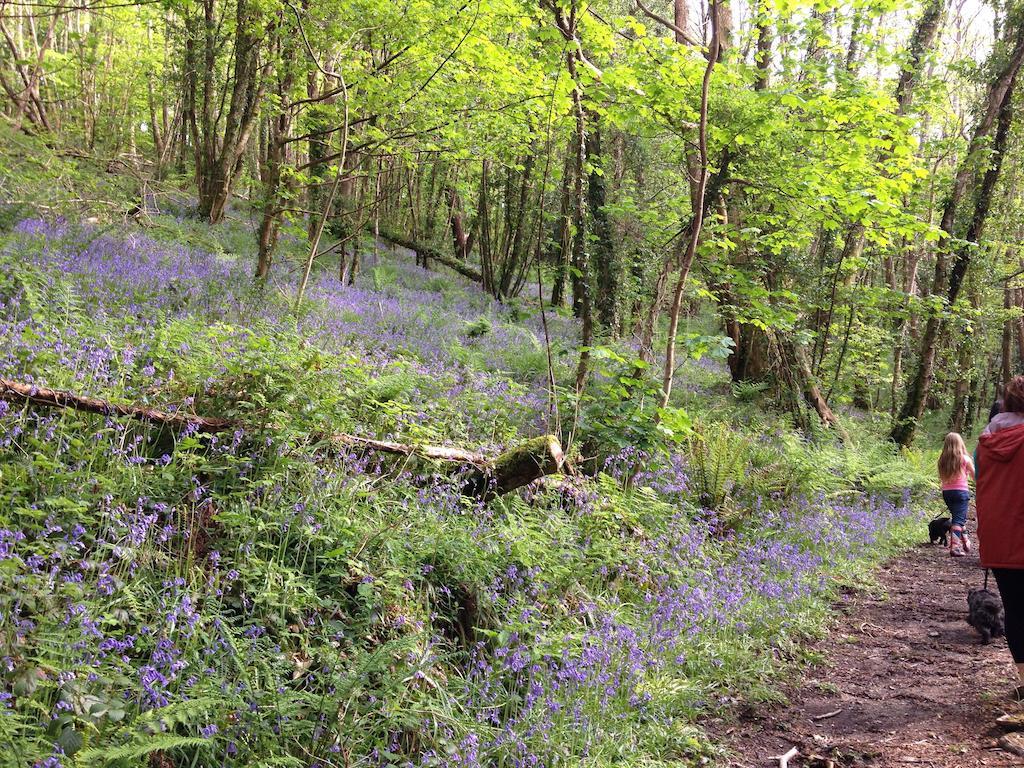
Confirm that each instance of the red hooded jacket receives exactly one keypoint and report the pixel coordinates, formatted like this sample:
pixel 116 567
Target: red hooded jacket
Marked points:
pixel 1000 488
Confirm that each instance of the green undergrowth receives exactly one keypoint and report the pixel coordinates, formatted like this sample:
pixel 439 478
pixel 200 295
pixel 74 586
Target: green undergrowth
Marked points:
pixel 268 596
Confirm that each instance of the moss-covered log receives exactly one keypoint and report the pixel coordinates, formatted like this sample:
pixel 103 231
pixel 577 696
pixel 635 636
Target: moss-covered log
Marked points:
pixel 451 262
pixel 488 478
pixel 517 467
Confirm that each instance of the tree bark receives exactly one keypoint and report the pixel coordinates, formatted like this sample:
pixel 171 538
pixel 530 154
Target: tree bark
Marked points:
pixel 516 467
pixel 1006 347
pixel 603 248
pixel 680 16
pixel 219 153
pixel 808 384
pixel 923 40
pixel 960 414
pixel 563 231
pixel 763 57
pixel 280 126
pixel 460 238
pixel 483 223
pixel 28 66
pixel 581 299
pixel 1018 303
pixel 515 253
pixel 567 24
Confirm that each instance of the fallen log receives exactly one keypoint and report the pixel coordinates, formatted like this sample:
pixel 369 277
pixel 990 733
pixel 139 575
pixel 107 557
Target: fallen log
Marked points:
pixel 516 467
pixel 488 478
pixel 20 392
pixel 451 262
pixel 435 452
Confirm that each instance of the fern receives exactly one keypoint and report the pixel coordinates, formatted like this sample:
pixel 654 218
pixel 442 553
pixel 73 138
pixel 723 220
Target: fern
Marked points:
pixel 392 386
pixel 479 327
pixel 65 302
pixel 40 292
pixel 748 391
pixel 718 457
pixel 181 713
pixel 32 287
pixel 21 734
pixel 137 749
pixel 383 276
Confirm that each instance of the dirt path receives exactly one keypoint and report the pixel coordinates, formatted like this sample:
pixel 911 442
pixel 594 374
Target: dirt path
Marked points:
pixel 905 681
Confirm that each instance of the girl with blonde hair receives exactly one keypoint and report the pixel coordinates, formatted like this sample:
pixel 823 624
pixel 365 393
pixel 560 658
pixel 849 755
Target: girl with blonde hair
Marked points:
pixel 955 465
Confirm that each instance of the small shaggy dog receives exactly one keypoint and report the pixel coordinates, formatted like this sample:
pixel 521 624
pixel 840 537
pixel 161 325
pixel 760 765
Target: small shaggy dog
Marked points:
pixel 985 613
pixel 938 530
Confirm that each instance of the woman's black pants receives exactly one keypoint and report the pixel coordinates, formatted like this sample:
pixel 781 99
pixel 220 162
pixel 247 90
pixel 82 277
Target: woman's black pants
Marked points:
pixel 1011 590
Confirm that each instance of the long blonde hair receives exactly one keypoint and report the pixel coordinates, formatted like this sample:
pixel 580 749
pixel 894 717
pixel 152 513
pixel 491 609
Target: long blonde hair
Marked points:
pixel 953 456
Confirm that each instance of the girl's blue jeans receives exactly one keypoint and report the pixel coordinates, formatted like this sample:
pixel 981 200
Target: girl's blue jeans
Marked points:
pixel 957 501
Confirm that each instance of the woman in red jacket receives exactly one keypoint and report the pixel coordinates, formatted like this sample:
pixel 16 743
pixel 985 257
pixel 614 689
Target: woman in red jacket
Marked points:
pixel 1000 496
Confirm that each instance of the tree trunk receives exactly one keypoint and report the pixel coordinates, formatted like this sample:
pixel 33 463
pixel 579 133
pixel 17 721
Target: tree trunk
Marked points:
pixel 680 16
pixel 483 223
pixel 563 231
pixel 603 249
pixel 581 300
pixel 219 153
pixel 419 249
pixel 516 467
pixel 800 364
pixel 1006 347
pixel 966 379
pixel 316 147
pixel 279 130
pixel 28 66
pixel 514 253
pixel 31 394
pixel 460 238
pixel 1018 304
pixel 697 206
pixel 923 40
pixel 763 57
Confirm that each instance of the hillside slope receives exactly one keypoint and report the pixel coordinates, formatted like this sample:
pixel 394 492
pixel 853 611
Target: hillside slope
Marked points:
pixel 262 597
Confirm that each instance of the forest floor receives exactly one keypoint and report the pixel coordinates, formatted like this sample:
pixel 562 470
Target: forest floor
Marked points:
pixel 903 680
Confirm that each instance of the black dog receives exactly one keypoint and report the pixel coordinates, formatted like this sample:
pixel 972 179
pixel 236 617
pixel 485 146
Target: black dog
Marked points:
pixel 938 530
pixel 985 613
